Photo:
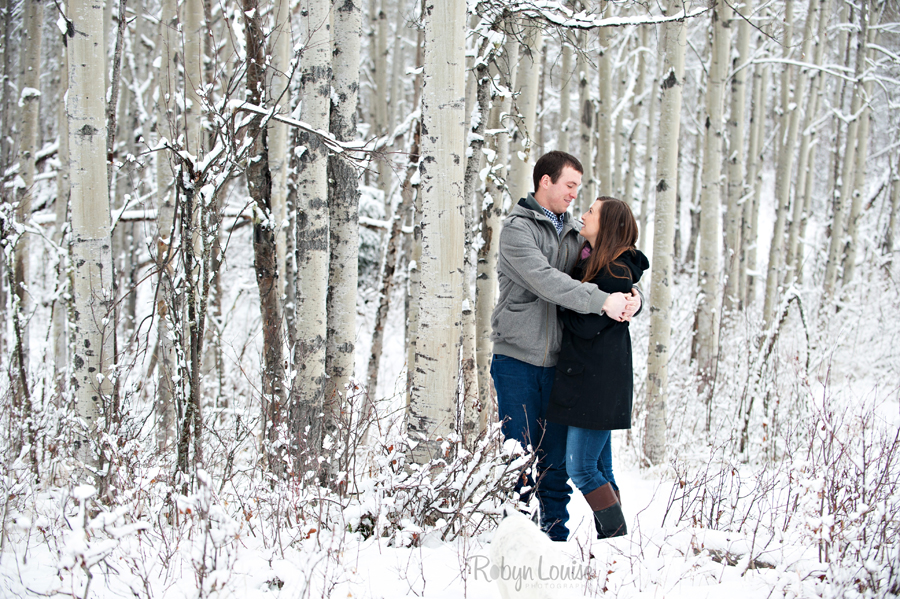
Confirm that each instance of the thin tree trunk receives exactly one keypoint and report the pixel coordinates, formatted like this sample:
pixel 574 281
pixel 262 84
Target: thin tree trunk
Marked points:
pixel 647 189
pixel 887 246
pixel 737 186
pixel 805 166
pixel 433 397
pixel 309 402
pixel 265 257
pixel 167 303
pixel 662 274
pixel 567 78
pixel 836 245
pixel 586 120
pixel 605 104
pixel 62 306
pixel 343 203
pixel 280 74
pixel 783 176
pixel 92 329
pixel 707 315
pixel 630 193
pixel 750 234
pixel 29 143
pixel 527 77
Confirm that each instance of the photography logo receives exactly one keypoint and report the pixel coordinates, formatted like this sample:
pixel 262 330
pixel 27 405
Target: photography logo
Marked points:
pixel 542 574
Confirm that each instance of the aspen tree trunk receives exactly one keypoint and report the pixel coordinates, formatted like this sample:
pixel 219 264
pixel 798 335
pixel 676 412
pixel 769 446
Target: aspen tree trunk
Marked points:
pixel 797 230
pixel 282 42
pixel 586 120
pixel 471 405
pixel 736 188
pixel 567 78
pixel 61 208
pixel 836 244
pixel 647 189
pixel 192 44
pixel 380 98
pixel 92 328
pixel 859 179
pixel 167 304
pixel 491 209
pixel 749 233
pixel 887 246
pixel 8 100
pixel 783 175
pixel 309 402
pixel 663 275
pixel 527 77
pixel 605 103
pixel 29 144
pixel 343 202
pixel 707 315
pixel 265 257
pixel 433 397
pixel 398 107
pixel 630 194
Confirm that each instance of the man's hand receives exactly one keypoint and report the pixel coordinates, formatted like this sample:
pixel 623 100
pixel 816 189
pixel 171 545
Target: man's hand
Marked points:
pixel 621 307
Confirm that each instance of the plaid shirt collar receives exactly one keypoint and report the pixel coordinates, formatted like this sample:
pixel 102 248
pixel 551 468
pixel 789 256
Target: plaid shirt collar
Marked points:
pixel 557 219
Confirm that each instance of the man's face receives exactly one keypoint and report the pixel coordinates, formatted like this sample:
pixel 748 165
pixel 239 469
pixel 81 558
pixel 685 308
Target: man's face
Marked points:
pixel 556 197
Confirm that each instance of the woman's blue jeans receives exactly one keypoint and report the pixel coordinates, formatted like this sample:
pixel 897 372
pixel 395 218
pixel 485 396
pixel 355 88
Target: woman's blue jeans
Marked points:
pixel 523 395
pixel 589 458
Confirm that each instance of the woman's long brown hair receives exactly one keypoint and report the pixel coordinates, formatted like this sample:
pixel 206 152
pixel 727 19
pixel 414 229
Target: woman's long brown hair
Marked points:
pixel 618 232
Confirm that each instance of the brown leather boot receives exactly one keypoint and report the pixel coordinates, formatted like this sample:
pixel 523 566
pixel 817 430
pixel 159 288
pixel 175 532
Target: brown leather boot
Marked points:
pixel 609 521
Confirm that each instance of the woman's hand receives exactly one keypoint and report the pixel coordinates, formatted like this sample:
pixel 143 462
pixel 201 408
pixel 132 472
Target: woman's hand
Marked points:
pixel 621 307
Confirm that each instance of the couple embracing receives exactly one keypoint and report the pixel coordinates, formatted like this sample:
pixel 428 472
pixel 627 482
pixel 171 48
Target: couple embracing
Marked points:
pixel 562 350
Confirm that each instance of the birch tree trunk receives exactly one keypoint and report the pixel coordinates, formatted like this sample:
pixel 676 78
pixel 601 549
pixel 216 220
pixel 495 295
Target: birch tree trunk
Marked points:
pixel 647 189
pixel 167 305
pixel 527 76
pixel 836 244
pixel 630 194
pixel 309 402
pixel 29 144
pixel 859 179
pixel 707 316
pixel 265 257
pixel 62 306
pixel 92 328
pixel 605 102
pixel 735 162
pixel 662 274
pixel 565 93
pixel 797 230
pixel 887 245
pixel 754 181
pixel 783 175
pixel 586 121
pixel 282 42
pixel 343 202
pixel 433 397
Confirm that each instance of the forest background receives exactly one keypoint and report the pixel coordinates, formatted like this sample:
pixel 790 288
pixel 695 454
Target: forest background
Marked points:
pixel 249 263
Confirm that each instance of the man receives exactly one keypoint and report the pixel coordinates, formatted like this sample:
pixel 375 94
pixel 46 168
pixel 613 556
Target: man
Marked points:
pixel 539 245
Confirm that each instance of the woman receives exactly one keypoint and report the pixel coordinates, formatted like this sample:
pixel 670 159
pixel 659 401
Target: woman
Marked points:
pixel 593 388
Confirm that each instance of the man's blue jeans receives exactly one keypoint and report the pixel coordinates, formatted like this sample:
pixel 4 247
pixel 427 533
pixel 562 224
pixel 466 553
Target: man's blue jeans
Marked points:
pixel 589 458
pixel 523 394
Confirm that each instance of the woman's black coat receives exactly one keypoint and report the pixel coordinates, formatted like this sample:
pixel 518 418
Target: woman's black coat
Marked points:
pixel 594 382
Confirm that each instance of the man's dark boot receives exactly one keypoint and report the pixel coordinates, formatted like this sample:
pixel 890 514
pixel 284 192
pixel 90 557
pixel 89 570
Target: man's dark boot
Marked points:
pixel 609 521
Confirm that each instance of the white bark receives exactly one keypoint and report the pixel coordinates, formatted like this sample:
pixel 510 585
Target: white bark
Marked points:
pixel 605 102
pixel 586 121
pixel 836 244
pixel 567 81
pixel 29 109
pixel 92 325
pixel 433 397
pixel 343 201
pixel 794 257
pixel 529 66
pixel 707 317
pixel 783 176
pixel 629 195
pixel 735 161
pixel 647 189
pixel 281 42
pixel 662 274
pixel 312 225
pixel 754 180
pixel 165 196
pixel 61 209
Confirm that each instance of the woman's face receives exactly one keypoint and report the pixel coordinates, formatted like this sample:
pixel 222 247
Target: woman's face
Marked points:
pixel 591 220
